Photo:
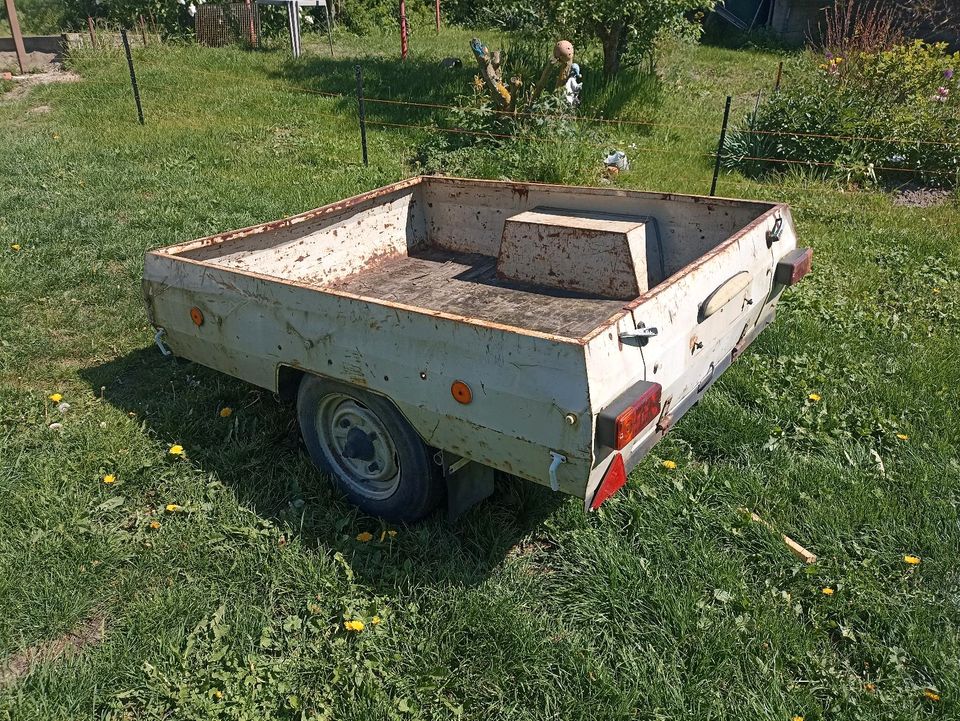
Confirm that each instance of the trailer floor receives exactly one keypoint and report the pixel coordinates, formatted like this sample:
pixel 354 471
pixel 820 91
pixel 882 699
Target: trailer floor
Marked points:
pixel 466 284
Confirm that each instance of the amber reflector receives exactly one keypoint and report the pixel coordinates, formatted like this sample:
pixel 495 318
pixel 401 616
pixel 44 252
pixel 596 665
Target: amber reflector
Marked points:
pixel 461 392
pixel 196 316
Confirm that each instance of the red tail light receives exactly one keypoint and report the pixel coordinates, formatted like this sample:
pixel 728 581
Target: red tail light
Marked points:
pixel 624 419
pixel 612 482
pixel 793 266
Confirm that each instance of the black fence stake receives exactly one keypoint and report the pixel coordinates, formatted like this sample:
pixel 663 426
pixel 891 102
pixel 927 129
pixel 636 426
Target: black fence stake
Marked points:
pixel 776 85
pixel 363 113
pixel 723 138
pixel 133 74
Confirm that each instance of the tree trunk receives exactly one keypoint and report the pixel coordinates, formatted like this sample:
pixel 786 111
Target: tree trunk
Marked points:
pixel 610 39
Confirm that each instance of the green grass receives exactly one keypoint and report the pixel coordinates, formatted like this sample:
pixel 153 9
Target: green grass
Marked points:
pixel 666 604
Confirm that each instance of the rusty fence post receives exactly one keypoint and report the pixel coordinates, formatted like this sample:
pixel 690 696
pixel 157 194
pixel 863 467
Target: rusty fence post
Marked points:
pixel 438 16
pixel 363 113
pixel 17 36
pixel 133 74
pixel 404 45
pixel 776 85
pixel 723 139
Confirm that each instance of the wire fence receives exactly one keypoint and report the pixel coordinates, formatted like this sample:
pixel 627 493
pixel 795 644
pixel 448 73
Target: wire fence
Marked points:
pixel 439 119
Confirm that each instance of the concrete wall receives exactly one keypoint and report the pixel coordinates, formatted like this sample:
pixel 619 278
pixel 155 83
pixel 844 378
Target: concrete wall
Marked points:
pixel 52 44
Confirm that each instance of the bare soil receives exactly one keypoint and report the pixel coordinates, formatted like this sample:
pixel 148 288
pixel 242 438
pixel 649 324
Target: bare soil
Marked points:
pixel 19 665
pixel 921 197
pixel 44 68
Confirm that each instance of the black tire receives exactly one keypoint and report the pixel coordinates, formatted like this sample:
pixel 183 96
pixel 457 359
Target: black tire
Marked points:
pixel 359 439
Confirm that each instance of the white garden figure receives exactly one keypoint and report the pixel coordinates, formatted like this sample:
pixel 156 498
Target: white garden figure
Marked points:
pixel 573 86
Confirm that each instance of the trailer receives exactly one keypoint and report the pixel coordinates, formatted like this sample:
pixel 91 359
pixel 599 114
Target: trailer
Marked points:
pixel 438 329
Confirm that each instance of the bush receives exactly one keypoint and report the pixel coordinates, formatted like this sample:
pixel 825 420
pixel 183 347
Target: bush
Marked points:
pixel 546 145
pixel 890 115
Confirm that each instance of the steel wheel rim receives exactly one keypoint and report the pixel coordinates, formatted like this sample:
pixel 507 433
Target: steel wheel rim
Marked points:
pixel 357 443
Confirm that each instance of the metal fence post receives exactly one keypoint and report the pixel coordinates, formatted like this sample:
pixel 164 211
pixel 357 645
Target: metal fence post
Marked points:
pixel 363 113
pixel 133 74
pixel 723 138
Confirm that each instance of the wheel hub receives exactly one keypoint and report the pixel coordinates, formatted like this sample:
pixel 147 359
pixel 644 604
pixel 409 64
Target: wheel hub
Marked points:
pixel 359 445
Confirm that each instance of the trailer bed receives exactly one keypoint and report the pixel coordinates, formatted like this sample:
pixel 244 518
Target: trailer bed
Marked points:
pixel 466 284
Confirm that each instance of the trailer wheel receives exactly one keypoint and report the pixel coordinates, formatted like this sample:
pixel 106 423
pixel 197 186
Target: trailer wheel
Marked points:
pixel 369 449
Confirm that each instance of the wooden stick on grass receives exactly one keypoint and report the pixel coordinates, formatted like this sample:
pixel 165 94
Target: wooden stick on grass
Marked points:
pixel 795 548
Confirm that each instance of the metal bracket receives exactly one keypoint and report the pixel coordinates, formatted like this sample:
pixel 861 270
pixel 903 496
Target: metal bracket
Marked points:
pixel 773 235
pixel 556 460
pixel 158 339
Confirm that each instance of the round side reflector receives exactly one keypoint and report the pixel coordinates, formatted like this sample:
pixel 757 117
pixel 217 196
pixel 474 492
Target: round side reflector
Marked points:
pixel 461 392
pixel 196 315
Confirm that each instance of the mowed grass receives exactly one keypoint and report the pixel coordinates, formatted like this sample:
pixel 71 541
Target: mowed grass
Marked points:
pixel 666 604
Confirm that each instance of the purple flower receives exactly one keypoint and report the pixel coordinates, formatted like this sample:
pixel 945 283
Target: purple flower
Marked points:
pixel 948 73
pixel 829 55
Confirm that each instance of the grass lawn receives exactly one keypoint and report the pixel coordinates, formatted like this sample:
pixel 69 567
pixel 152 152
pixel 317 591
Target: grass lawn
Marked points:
pixel 666 604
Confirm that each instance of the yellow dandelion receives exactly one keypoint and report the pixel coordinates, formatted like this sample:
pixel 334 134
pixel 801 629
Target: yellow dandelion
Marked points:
pixel 797 718
pixel 815 397
pixel 911 560
pixel 55 397
pixel 669 465
pixel 392 533
pixel 375 620
pixel 173 508
pixel 155 525
pixel 364 537
pixel 870 687
pixel 218 694
pixel 226 412
pixel 826 591
pixel 109 478
pixel 355 626
pixel 936 291
pixel 931 695
pixel 15 247
pixel 176 450
pixel 903 436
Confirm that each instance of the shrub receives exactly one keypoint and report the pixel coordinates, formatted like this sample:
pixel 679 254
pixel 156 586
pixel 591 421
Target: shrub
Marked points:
pixel 546 145
pixel 890 115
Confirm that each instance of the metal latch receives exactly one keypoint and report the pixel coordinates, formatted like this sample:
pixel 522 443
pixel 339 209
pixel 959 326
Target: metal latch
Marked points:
pixel 640 332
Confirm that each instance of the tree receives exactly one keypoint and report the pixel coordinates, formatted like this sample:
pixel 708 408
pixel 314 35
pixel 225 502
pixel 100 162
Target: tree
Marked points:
pixel 627 29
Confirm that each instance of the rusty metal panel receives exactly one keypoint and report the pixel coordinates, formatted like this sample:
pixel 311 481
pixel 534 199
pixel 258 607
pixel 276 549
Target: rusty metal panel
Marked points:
pixel 469 215
pixel 679 357
pixel 327 248
pixel 526 388
pixel 601 254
